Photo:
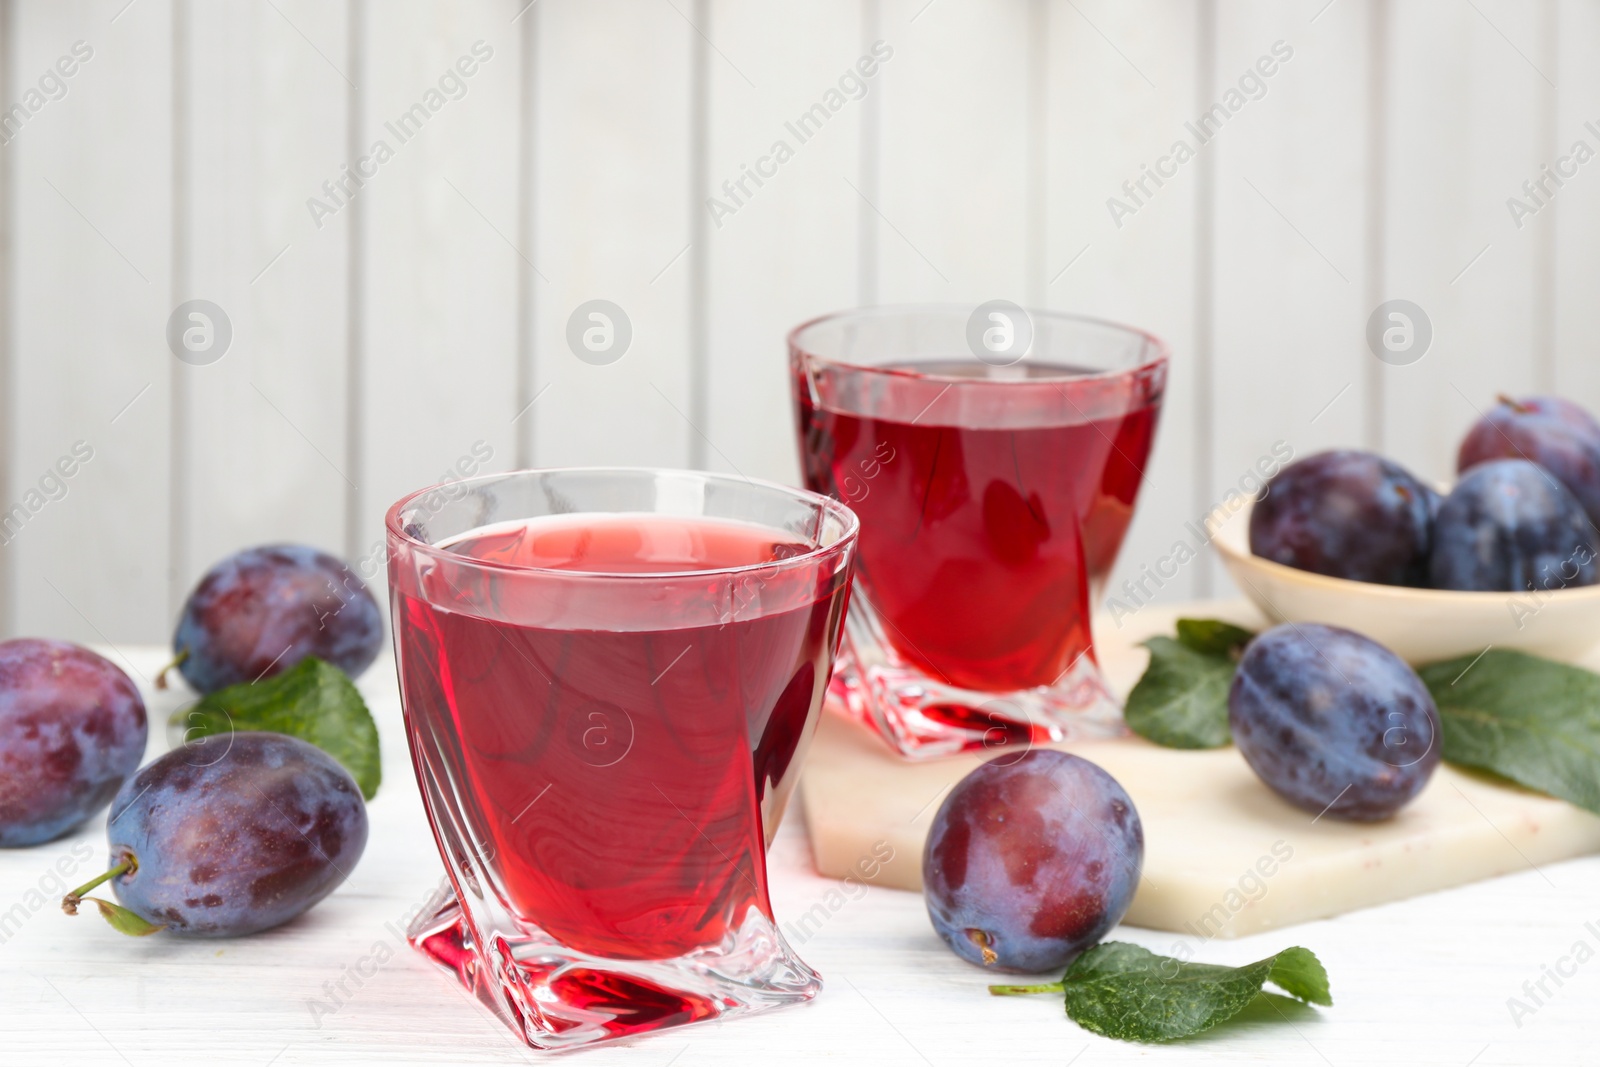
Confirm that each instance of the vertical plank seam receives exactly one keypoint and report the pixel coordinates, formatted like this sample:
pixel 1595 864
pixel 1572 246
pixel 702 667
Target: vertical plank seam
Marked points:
pixel 1376 223
pixel 1037 104
pixel 355 302
pixel 867 169
pixel 526 370
pixel 699 236
pixel 1548 235
pixel 1204 290
pixel 180 475
pixel 8 392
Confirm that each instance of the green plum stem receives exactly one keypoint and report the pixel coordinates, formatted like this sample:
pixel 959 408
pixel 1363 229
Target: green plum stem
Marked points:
pixel 177 661
pixel 70 902
pixel 1025 990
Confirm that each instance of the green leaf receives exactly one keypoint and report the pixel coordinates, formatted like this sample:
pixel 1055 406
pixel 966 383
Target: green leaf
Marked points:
pixel 1299 973
pixel 1213 637
pixel 124 920
pixel 1528 719
pixel 314 701
pixel 1182 699
pixel 1126 992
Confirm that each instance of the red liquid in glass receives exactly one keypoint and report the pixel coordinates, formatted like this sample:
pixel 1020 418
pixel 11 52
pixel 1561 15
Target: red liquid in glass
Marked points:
pixel 617 780
pixel 976 542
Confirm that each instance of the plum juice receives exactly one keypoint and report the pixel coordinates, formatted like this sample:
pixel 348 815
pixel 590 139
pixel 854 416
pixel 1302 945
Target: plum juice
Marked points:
pixel 988 511
pixel 617 776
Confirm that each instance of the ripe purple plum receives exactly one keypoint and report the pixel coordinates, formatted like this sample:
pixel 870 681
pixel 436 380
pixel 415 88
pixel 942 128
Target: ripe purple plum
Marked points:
pixel 1333 722
pixel 234 834
pixel 1030 860
pixel 1346 514
pixel 72 728
pixel 1555 433
pixel 263 610
pixel 1509 525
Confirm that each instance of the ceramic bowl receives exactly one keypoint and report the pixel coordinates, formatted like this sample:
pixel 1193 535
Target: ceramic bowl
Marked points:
pixel 1419 625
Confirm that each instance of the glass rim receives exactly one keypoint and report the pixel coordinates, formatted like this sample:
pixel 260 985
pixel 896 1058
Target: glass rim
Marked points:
pixel 826 505
pixel 1162 352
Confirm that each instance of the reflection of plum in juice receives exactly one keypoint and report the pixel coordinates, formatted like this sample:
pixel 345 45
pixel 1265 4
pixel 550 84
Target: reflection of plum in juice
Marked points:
pixel 984 526
pixel 618 779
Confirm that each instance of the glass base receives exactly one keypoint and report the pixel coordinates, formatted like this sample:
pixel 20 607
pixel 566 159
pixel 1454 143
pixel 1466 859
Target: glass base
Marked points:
pixel 923 718
pixel 557 999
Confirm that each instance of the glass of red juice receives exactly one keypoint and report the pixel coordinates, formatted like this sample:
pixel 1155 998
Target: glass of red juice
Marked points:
pixel 610 678
pixel 994 457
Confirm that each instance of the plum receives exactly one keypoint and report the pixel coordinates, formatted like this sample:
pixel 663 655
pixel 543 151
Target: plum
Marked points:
pixel 231 835
pixel 1557 434
pixel 1347 514
pixel 263 610
pixel 1435 502
pixel 1333 722
pixel 1509 525
pixel 1031 860
pixel 72 728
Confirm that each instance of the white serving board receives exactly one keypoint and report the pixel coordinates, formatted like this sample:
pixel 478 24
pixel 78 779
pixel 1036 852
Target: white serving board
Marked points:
pixel 1223 855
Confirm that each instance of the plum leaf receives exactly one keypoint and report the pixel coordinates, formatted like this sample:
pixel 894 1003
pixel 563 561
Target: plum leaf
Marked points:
pixel 123 920
pixel 1528 719
pixel 1181 701
pixel 313 700
pixel 1129 993
pixel 1213 637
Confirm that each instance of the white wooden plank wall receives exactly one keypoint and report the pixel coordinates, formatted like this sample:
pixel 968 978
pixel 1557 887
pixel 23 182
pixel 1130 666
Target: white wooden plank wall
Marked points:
pixel 1120 81
pixel 258 435
pixel 438 347
pixel 91 281
pixel 417 322
pixel 1467 125
pixel 1289 275
pixel 794 248
pixel 614 137
pixel 1575 217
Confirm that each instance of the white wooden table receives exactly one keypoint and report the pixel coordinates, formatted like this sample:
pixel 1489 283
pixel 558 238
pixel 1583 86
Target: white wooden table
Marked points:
pixel 1425 981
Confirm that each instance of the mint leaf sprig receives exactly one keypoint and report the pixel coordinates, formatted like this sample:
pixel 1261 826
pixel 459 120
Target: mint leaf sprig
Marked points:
pixel 313 700
pixel 1122 991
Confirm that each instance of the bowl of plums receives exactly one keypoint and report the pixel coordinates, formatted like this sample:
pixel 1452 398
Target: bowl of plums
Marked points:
pixel 1507 557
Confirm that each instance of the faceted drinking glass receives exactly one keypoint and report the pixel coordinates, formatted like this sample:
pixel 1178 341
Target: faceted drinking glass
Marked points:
pixel 994 457
pixel 610 678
